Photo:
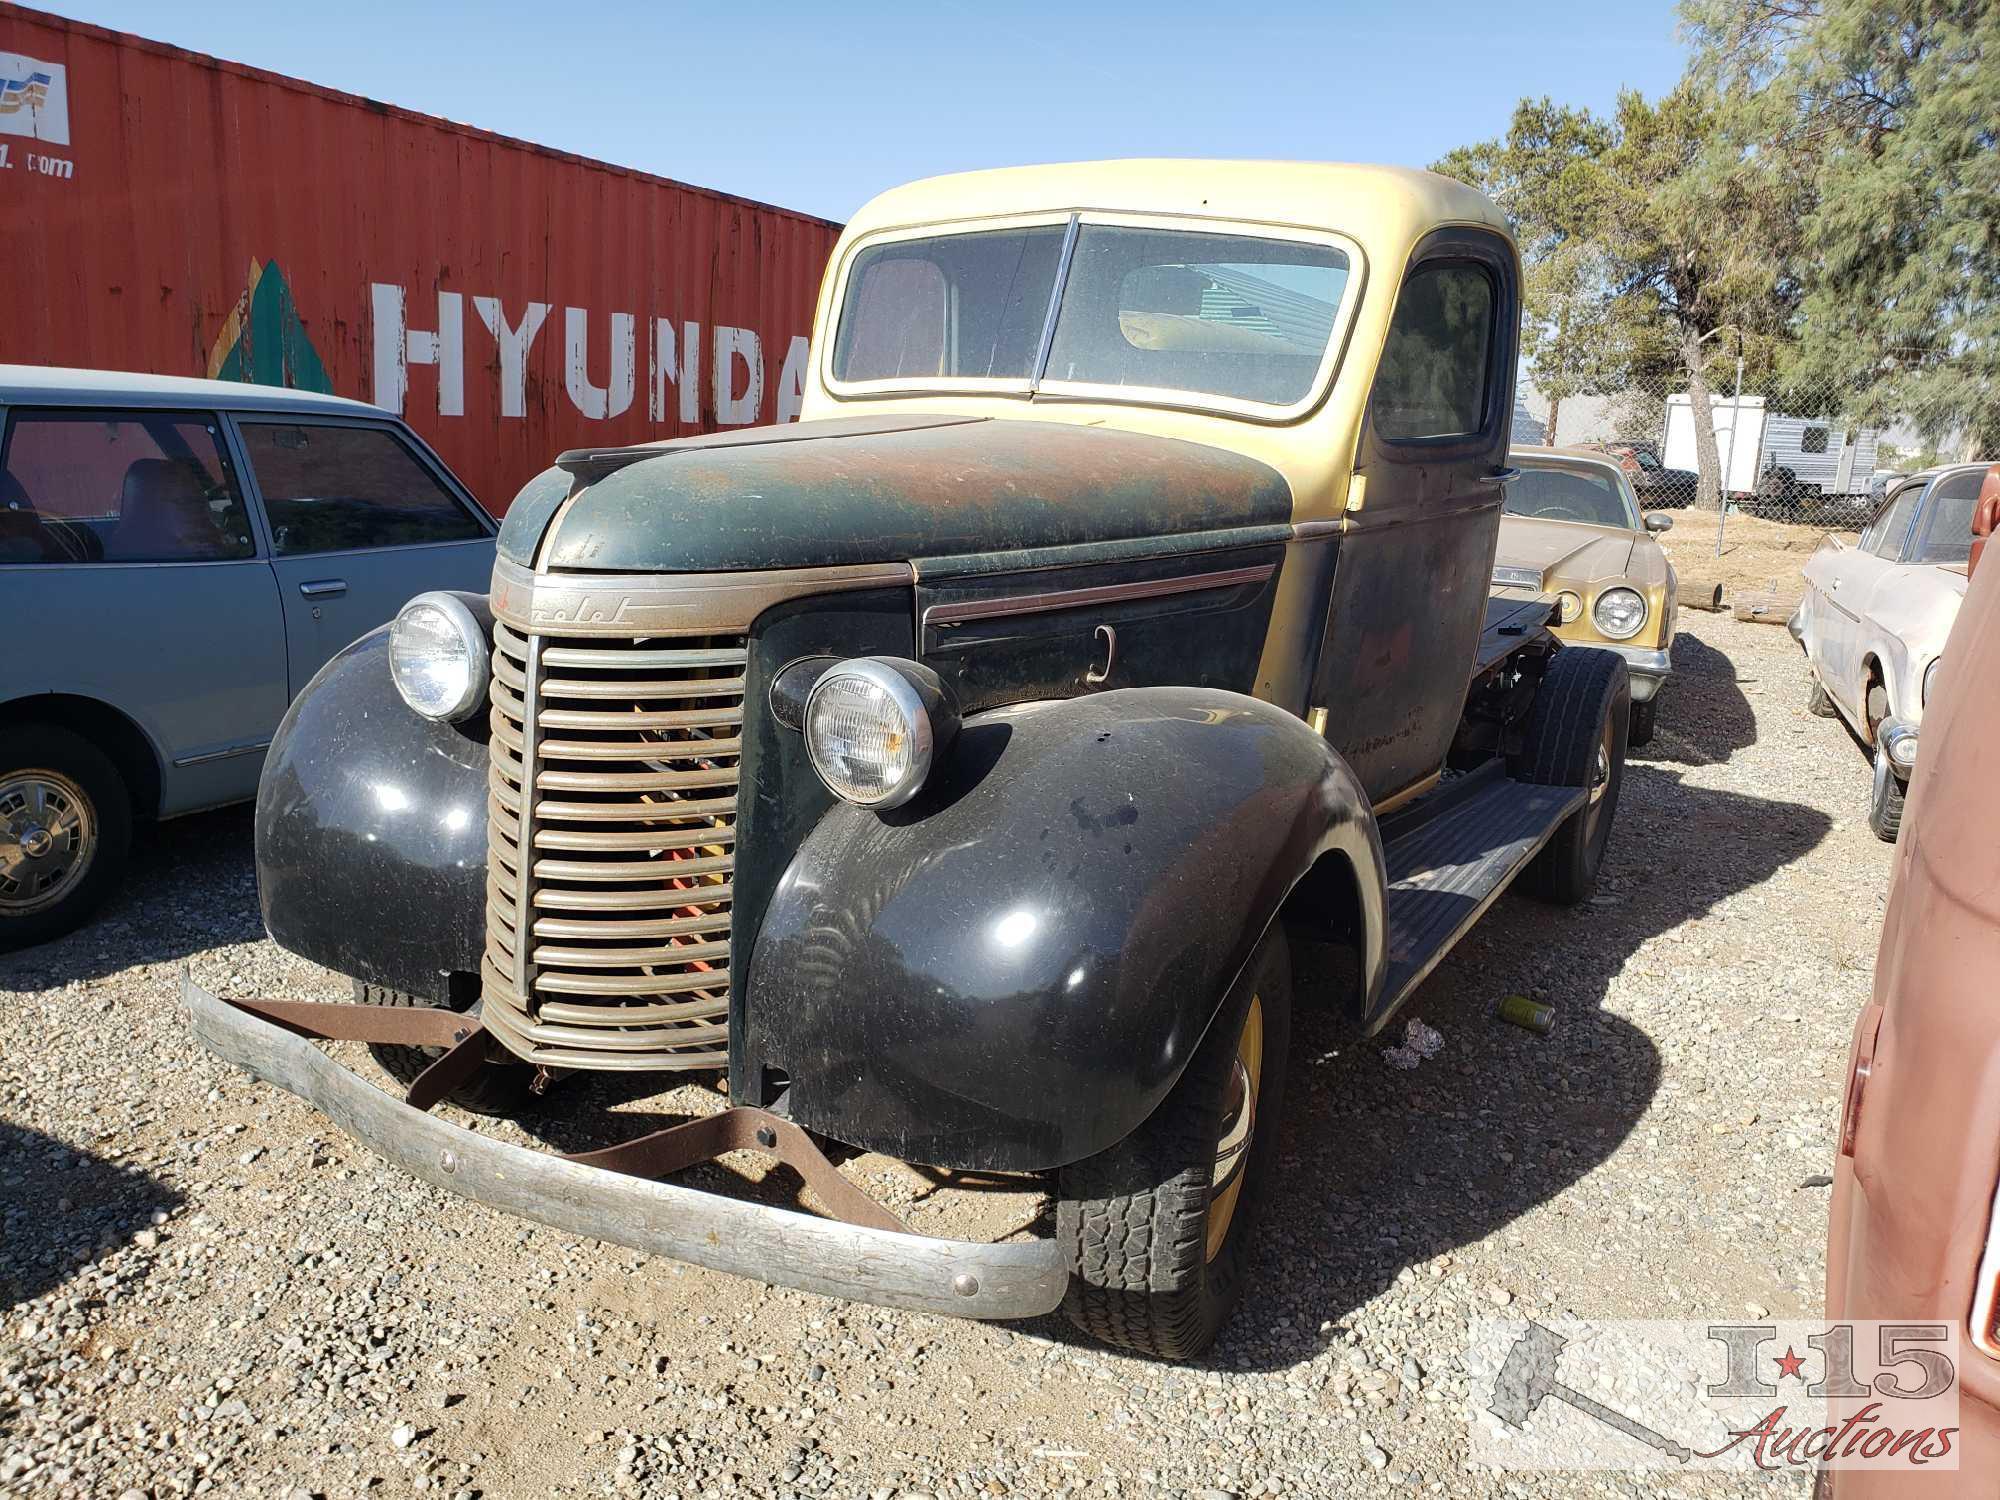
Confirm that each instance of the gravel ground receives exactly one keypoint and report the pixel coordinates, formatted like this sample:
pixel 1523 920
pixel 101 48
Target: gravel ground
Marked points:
pixel 208 1288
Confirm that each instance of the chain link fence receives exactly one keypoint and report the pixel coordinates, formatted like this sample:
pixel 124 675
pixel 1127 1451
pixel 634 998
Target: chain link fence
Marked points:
pixel 1787 457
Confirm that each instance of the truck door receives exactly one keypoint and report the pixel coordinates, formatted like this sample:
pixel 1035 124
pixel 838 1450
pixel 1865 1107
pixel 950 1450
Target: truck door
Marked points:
pixel 1416 554
pixel 360 523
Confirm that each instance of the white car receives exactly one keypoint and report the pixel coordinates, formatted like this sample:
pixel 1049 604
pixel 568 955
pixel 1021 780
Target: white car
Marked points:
pixel 1875 615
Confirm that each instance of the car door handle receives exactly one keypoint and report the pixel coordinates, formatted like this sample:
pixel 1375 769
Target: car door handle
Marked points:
pixel 1503 476
pixel 324 588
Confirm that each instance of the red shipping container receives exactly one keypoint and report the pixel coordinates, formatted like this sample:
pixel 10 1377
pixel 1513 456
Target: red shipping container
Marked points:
pixel 172 213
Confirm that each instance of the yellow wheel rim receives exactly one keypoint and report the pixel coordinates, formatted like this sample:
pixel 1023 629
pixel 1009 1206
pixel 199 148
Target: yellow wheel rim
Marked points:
pixel 1239 1126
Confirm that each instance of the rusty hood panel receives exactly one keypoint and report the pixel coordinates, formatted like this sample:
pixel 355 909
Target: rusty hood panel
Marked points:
pixel 861 490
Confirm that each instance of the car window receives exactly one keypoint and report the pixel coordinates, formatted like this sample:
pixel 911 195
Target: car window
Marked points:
pixel 1884 536
pixel 1645 458
pixel 1944 526
pixel 127 486
pixel 1432 382
pixel 1568 495
pixel 335 489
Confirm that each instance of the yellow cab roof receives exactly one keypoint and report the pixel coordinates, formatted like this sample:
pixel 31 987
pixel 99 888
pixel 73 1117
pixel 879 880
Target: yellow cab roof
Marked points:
pixel 1379 207
pixel 1383 211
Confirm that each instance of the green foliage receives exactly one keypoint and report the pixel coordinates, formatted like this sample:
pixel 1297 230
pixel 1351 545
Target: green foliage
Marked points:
pixel 1891 112
pixel 1819 194
pixel 1628 282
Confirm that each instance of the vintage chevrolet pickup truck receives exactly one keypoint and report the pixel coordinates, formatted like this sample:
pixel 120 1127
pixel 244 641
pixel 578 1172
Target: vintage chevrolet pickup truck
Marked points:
pixel 951 770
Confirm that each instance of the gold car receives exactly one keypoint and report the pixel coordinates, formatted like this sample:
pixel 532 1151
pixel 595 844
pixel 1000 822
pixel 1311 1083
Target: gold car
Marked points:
pixel 1572 528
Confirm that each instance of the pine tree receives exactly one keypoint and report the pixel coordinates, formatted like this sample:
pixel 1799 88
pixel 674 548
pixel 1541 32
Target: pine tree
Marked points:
pixel 1890 113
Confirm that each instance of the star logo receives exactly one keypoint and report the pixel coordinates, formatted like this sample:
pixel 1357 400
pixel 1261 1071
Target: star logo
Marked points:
pixel 1791 1364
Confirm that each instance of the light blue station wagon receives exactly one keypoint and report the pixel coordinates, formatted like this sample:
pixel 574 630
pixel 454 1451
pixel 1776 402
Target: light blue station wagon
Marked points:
pixel 177 559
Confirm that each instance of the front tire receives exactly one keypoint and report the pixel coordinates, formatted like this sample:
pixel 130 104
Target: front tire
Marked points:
pixel 496 1089
pixel 1645 717
pixel 1885 800
pixel 1158 1228
pixel 1577 733
pixel 65 830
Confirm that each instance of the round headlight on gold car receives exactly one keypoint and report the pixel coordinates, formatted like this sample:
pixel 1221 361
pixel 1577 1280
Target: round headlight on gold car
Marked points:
pixel 1568 607
pixel 1619 613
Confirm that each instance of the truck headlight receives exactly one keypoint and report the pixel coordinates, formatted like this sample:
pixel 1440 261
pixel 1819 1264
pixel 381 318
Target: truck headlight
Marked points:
pixel 1930 679
pixel 873 727
pixel 438 656
pixel 1618 613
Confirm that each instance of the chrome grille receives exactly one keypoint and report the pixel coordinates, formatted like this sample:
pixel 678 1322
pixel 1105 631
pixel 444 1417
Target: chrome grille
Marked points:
pixel 614 762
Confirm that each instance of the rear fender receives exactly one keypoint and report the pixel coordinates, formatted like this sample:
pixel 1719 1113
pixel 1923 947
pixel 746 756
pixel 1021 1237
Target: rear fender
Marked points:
pixel 1011 971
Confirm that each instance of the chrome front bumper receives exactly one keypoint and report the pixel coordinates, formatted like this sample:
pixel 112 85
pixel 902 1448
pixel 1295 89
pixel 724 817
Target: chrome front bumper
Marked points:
pixel 1896 746
pixel 1647 666
pixel 956 1278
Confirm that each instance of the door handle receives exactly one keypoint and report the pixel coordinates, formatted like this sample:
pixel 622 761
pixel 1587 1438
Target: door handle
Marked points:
pixel 1110 638
pixel 324 588
pixel 1501 476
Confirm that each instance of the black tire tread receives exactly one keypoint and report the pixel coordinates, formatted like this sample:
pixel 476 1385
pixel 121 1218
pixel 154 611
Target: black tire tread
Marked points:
pixel 1579 688
pixel 1885 815
pixel 1135 1217
pixel 1645 718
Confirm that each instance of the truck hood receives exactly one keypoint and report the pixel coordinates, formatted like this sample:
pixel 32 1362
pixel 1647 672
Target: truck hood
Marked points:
pixel 1565 551
pixel 870 490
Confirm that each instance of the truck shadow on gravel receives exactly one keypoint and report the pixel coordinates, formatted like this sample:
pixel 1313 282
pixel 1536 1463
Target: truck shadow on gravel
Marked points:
pixel 191 886
pixel 61 1209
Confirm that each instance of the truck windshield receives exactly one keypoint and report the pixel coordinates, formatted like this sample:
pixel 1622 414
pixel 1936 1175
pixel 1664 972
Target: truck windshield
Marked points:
pixel 1242 317
pixel 1569 495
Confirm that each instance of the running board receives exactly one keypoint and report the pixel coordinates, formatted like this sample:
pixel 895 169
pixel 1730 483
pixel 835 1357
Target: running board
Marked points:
pixel 1449 860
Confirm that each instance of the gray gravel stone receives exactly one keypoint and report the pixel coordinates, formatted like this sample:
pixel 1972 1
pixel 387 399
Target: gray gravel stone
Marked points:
pixel 249 1326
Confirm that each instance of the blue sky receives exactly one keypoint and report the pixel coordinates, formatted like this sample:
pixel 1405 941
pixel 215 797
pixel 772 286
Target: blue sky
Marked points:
pixel 817 107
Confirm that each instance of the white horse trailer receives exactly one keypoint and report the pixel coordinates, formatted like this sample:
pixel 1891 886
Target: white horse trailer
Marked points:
pixel 1824 457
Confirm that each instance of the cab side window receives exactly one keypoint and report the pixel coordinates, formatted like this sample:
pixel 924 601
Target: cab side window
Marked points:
pixel 128 486
pixel 340 489
pixel 1435 378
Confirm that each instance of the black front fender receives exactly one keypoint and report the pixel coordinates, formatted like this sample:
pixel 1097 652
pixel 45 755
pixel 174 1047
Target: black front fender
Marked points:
pixel 1012 971
pixel 371 830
